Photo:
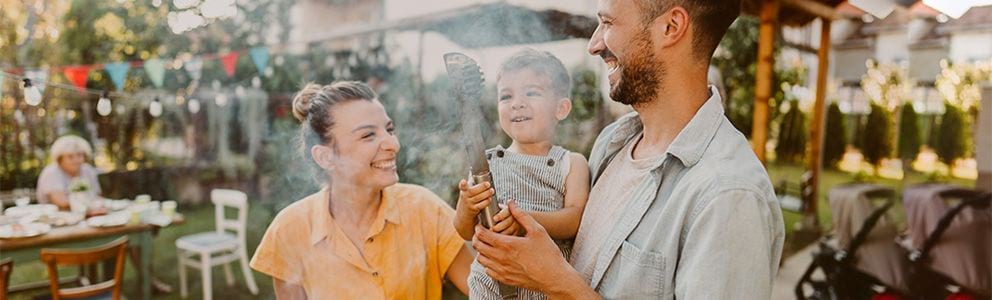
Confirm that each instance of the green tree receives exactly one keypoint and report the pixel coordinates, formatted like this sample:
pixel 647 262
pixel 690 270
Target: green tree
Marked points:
pixel 792 135
pixel 878 130
pixel 835 137
pixel 951 143
pixel 909 134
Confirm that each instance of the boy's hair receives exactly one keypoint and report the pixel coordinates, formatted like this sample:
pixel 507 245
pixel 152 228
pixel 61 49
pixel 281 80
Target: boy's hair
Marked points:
pixel 541 62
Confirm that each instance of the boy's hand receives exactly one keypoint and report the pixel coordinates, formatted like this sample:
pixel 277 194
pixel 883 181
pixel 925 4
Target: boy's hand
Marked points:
pixel 472 200
pixel 505 223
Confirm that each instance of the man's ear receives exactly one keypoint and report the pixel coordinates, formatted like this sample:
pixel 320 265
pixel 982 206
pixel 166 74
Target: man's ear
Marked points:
pixel 564 108
pixel 324 156
pixel 672 26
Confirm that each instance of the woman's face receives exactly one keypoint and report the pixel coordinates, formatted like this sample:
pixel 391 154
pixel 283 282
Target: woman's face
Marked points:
pixel 71 163
pixel 365 146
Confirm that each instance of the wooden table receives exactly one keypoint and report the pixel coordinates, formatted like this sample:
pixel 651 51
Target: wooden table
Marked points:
pixel 82 236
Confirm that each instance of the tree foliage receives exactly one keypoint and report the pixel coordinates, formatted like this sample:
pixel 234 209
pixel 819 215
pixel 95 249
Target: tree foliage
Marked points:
pixel 951 143
pixel 909 133
pixel 878 132
pixel 835 137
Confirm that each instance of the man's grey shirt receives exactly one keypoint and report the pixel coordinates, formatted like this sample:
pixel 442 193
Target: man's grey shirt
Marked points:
pixel 705 225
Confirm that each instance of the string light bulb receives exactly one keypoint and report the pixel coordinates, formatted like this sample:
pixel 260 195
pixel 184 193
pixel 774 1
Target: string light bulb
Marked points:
pixel 155 108
pixel 104 107
pixel 31 94
pixel 221 99
pixel 194 105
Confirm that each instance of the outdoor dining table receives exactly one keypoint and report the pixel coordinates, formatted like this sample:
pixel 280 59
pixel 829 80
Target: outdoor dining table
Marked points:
pixel 82 235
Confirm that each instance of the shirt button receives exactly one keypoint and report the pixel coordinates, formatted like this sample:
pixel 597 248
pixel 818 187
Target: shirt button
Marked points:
pixel 371 240
pixel 375 274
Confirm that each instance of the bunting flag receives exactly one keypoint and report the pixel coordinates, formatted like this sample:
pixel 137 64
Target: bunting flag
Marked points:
pixel 118 73
pixel 259 56
pixel 77 75
pixel 156 71
pixel 194 67
pixel 230 61
pixel 39 77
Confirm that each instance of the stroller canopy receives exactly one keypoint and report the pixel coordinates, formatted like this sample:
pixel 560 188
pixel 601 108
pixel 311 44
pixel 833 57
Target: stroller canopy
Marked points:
pixel 879 255
pixel 962 253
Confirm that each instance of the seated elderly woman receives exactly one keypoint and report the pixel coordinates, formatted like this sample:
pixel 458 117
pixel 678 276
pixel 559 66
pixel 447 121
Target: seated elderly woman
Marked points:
pixel 363 235
pixel 68 166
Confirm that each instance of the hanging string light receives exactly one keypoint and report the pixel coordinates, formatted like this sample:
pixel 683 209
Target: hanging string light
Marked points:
pixel 194 105
pixel 31 94
pixel 239 91
pixel 221 99
pixel 104 107
pixel 155 108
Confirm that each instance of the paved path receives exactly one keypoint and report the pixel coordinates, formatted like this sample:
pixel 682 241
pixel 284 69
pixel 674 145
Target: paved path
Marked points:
pixel 789 273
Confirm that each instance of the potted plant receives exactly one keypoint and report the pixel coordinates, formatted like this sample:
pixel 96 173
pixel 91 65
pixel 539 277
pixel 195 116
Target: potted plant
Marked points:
pixel 79 195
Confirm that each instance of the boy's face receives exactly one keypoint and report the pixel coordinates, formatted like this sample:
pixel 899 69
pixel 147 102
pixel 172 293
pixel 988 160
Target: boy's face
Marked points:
pixel 529 110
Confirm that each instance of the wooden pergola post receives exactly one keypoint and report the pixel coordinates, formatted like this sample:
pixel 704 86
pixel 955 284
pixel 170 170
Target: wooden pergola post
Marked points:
pixel 815 161
pixel 764 76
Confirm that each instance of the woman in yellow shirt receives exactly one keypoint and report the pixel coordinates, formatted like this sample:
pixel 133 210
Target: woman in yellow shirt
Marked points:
pixel 362 235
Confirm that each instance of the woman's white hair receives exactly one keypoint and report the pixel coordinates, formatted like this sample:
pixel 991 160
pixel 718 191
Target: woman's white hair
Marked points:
pixel 69 144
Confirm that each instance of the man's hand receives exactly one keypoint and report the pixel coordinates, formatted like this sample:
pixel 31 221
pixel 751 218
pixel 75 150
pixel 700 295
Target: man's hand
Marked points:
pixel 531 261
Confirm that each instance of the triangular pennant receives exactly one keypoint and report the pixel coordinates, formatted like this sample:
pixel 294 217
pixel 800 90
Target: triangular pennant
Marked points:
pixel 260 56
pixel 39 77
pixel 230 61
pixel 77 76
pixel 156 71
pixel 194 67
pixel 118 73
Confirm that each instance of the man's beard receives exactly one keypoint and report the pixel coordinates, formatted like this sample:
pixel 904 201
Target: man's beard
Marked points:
pixel 640 77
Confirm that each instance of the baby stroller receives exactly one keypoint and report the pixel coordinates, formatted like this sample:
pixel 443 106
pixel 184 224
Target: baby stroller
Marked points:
pixel 861 260
pixel 950 236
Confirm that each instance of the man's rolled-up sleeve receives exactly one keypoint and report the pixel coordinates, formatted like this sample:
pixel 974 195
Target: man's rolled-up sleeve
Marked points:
pixel 731 249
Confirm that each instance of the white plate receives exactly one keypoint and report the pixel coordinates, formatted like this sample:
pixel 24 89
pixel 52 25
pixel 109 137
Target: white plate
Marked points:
pixel 19 211
pixel 111 220
pixel 23 230
pixel 60 218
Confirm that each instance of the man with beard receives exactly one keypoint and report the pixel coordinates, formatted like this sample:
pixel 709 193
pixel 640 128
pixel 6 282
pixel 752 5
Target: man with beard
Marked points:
pixel 680 207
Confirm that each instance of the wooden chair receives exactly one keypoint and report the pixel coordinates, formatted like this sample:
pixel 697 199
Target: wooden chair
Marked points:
pixel 6 267
pixel 54 258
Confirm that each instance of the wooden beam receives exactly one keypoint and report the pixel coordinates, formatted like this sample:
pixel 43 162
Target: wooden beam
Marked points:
pixel 815 160
pixel 764 76
pixel 814 8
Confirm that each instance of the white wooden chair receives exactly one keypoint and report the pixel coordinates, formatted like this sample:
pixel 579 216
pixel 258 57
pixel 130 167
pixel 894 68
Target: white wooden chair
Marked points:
pixel 207 249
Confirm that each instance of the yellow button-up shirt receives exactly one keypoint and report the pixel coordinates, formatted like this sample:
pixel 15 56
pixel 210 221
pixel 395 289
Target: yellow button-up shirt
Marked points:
pixel 408 249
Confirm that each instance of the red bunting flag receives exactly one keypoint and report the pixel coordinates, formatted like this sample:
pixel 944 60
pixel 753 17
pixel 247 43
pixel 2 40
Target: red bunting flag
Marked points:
pixel 229 61
pixel 77 75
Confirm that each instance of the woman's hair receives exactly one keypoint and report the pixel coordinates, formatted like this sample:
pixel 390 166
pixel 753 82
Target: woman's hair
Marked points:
pixel 69 144
pixel 312 106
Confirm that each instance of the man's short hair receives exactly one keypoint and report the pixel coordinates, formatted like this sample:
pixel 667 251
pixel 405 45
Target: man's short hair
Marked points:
pixel 710 18
pixel 541 62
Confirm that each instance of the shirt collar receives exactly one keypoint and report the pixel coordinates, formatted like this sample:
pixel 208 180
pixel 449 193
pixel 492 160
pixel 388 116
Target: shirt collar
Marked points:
pixel 323 224
pixel 691 142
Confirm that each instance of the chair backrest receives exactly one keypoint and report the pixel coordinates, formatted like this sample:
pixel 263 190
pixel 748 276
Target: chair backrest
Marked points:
pixel 6 266
pixel 230 198
pixel 54 258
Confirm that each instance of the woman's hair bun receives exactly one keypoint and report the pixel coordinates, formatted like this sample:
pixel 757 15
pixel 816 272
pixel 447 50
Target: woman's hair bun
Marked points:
pixel 304 100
